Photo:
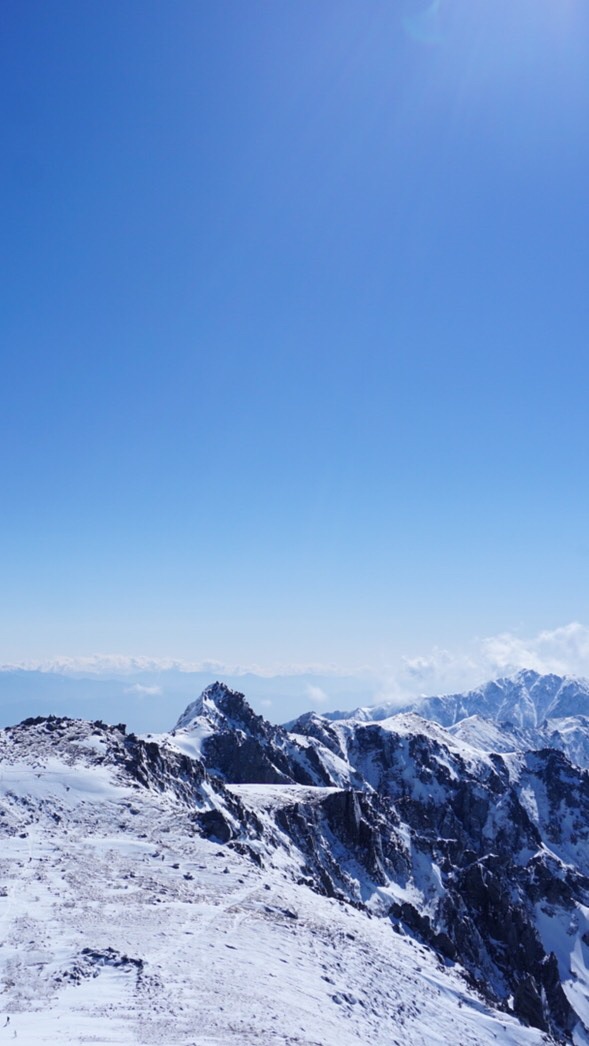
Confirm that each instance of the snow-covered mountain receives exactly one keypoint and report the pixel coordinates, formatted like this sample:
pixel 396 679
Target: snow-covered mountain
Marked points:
pixel 345 882
pixel 517 713
pixel 526 700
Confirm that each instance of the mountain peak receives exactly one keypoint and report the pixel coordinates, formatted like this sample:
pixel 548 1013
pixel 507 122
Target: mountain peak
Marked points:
pixel 242 747
pixel 528 676
pixel 216 703
pixel 526 700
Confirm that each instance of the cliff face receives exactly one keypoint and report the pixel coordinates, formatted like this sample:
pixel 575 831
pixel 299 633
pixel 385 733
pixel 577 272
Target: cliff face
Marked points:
pixel 481 854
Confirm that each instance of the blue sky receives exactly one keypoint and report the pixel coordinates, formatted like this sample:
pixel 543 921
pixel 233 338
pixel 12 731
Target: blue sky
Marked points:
pixel 294 327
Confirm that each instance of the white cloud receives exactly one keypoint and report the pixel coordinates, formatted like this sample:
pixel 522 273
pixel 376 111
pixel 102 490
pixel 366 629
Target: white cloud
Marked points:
pixel 563 651
pixel 316 695
pixel 143 690
pixel 118 665
pixel 124 664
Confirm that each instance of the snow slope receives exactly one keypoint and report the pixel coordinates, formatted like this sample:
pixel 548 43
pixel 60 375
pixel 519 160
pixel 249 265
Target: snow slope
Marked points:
pixel 120 923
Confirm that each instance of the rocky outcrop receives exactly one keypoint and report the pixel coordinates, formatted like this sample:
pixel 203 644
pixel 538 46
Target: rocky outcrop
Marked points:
pixel 455 827
pixel 242 747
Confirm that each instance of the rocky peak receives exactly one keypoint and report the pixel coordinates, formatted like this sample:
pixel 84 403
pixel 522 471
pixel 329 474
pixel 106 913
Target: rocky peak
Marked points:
pixel 242 747
pixel 313 725
pixel 524 701
pixel 217 703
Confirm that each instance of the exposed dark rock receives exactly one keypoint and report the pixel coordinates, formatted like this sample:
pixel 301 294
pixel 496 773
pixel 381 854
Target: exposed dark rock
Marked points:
pixel 213 825
pixel 527 1002
pixel 244 748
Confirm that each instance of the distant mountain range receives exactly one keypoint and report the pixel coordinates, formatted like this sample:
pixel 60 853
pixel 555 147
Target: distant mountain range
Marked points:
pixel 520 713
pixel 525 700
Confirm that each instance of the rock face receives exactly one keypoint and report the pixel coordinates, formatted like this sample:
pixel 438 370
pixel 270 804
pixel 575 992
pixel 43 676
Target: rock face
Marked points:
pixel 481 855
pixel 242 747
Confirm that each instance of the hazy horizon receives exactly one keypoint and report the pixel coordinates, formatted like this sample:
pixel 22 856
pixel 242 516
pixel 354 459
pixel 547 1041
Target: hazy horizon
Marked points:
pixel 150 693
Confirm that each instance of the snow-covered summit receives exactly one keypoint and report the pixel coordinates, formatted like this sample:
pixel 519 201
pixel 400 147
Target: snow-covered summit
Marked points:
pixel 515 713
pixel 221 728
pixel 525 700
pixel 128 916
pixel 217 702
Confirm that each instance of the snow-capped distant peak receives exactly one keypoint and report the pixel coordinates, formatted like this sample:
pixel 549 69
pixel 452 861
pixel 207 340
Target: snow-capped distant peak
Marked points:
pixel 524 700
pixel 216 702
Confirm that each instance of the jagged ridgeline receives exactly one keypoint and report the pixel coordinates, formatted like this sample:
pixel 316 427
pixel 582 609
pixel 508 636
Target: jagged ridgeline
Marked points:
pixel 462 831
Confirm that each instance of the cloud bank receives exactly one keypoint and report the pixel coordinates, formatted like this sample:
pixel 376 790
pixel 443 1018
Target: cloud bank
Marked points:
pixel 562 651
pixel 117 665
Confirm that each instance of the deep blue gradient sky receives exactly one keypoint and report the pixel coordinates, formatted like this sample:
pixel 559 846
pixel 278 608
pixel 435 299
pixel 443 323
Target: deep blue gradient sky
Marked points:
pixel 294 326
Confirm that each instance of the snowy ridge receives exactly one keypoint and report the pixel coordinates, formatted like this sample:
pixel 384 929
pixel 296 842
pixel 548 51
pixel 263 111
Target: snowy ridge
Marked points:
pixel 529 710
pixel 525 700
pixel 351 882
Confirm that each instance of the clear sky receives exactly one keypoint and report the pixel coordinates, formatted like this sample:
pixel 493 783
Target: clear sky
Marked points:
pixel 294 326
